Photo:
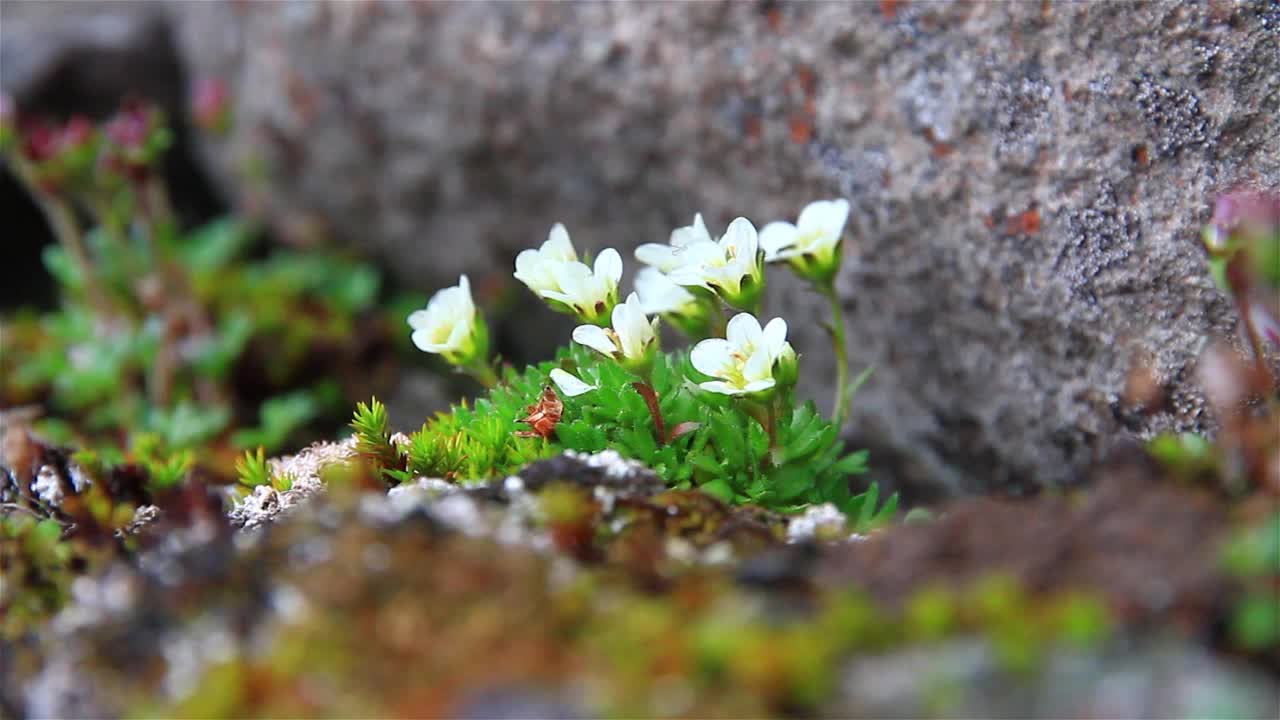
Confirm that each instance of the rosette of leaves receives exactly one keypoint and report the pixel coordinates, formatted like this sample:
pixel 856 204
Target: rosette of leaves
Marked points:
pixel 708 442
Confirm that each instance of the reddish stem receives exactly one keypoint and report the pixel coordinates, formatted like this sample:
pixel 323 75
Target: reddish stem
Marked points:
pixel 651 399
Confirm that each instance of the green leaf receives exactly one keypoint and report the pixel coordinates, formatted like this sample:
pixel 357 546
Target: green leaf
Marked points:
pixel 789 483
pixel 215 245
pixel 718 488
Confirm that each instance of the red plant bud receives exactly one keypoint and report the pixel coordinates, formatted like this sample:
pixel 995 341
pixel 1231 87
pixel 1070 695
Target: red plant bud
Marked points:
pixel 129 128
pixel 39 140
pixel 1246 211
pixel 211 105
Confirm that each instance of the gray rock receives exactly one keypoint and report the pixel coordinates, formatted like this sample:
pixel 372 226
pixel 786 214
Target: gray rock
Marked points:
pixel 965 678
pixel 1028 179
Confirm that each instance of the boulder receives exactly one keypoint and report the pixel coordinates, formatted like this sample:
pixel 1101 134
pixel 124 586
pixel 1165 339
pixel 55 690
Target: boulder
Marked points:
pixel 1028 179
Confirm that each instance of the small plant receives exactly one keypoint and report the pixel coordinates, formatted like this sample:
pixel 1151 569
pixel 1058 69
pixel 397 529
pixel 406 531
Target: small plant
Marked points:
pixel 721 417
pixel 253 469
pixel 184 336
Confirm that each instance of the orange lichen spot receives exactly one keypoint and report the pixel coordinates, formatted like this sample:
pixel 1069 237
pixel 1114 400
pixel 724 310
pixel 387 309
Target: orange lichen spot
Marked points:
pixel 1140 155
pixel 773 16
pixel 807 80
pixel 888 9
pixel 1029 222
pixel 801 129
pixel 1024 223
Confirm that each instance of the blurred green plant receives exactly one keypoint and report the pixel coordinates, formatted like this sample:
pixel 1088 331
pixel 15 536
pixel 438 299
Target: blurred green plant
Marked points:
pixel 194 336
pixel 1252 556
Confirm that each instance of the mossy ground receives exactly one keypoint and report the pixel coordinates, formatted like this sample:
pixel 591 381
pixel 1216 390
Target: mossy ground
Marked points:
pixel 622 597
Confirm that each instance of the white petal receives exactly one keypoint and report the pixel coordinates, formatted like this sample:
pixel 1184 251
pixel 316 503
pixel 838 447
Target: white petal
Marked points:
pixel 697 232
pixel 460 332
pixel 595 338
pixel 419 319
pixel 759 385
pixel 422 339
pixel 609 265
pixel 775 336
pixel 758 367
pixel 828 216
pixel 712 356
pixel 569 278
pixel 689 277
pixel 719 386
pixel 631 326
pixel 658 294
pixel 777 236
pixel 658 256
pixel 744 331
pixel 742 238
pixel 569 385
pixel 531 270
pixel 558 245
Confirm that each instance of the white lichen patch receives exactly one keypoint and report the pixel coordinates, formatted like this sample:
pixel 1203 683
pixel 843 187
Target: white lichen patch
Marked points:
pixel 613 464
pixel 822 522
pixel 265 504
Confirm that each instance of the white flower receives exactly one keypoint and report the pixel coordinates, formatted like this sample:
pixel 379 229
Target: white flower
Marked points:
pixel 632 340
pixel 450 326
pixel 570 386
pixel 534 268
pixel 659 295
pixel 731 266
pixel 812 244
pixel 749 360
pixel 554 273
pixel 669 257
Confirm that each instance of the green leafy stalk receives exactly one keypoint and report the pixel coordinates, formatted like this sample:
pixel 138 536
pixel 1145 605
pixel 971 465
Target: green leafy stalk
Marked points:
pixel 483 374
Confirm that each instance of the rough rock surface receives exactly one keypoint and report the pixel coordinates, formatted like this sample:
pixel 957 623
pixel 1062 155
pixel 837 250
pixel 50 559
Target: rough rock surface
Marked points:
pixel 1027 178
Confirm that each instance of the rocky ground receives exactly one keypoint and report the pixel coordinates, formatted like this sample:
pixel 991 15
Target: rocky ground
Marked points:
pixel 1028 183
pixel 582 586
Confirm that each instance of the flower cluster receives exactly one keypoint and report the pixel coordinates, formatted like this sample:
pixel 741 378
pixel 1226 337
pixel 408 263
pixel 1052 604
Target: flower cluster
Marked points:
pixel 686 281
pixel 554 273
pixel 731 267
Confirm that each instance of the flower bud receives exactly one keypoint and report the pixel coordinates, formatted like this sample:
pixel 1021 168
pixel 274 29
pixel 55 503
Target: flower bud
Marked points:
pixel 137 138
pixel 211 106
pixel 786 368
pixel 451 327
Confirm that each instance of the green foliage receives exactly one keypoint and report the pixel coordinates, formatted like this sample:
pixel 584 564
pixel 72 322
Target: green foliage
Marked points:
pixel 1252 556
pixel 253 469
pixel 36 571
pixel 178 333
pixel 281 416
pixel 1187 454
pixel 373 439
pixel 725 450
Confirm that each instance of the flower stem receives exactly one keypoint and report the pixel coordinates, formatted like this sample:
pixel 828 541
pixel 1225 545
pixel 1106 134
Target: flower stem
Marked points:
pixel 67 230
pixel 62 221
pixel 718 320
pixel 839 412
pixel 484 375
pixel 651 400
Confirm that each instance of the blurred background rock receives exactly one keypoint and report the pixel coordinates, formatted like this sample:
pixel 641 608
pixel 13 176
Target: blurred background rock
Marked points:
pixel 1028 179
